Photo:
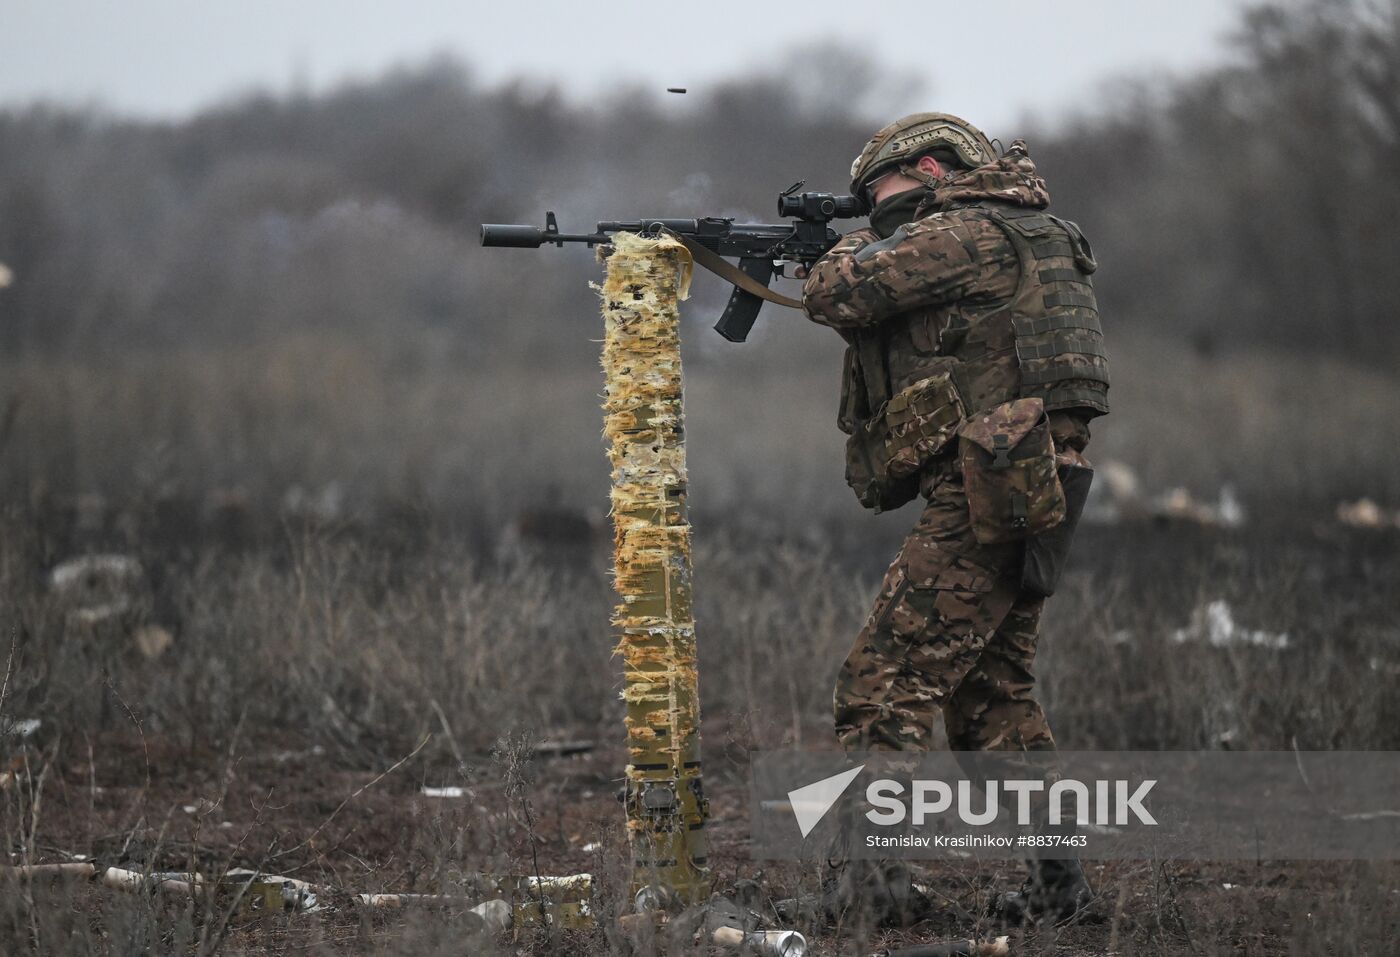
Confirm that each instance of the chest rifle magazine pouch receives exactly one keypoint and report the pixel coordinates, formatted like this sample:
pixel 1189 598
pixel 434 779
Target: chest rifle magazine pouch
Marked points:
pixel 919 422
pixel 1008 464
pixel 1047 552
pixel 867 470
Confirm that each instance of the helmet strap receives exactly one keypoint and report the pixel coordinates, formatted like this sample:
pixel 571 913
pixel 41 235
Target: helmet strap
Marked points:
pixel 913 172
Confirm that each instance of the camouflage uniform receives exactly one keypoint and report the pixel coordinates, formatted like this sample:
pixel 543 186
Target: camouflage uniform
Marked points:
pixel 953 628
pixel 950 630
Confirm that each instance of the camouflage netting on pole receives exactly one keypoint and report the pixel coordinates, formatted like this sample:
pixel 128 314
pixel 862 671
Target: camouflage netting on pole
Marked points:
pixel 666 806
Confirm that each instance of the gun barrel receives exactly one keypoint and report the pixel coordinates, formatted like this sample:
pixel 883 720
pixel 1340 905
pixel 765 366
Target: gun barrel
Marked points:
pixel 522 237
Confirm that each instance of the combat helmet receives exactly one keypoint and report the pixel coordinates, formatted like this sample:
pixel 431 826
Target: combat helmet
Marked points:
pixel 896 146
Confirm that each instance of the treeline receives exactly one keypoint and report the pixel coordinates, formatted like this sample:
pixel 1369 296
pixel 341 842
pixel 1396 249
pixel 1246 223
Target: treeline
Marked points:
pixel 1254 204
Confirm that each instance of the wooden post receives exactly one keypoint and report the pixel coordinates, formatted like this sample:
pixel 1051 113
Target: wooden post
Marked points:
pixel 665 802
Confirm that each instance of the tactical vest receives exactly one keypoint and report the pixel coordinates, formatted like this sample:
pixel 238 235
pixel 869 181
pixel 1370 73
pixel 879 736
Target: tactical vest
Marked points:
pixel 1054 316
pixel 1045 340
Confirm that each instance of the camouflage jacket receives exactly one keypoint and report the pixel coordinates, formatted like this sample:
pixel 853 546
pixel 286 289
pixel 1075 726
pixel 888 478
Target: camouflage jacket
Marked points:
pixel 982 275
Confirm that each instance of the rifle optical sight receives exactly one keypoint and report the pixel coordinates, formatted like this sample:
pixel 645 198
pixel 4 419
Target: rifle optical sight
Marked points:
pixel 818 207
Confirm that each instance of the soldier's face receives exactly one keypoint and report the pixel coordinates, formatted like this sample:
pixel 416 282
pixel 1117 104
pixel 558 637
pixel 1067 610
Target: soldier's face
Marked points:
pixel 891 184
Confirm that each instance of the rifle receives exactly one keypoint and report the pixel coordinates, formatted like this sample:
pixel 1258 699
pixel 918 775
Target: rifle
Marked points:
pixel 759 247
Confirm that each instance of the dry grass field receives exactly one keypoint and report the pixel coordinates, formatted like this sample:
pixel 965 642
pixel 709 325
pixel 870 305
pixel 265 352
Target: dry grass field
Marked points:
pixel 342 549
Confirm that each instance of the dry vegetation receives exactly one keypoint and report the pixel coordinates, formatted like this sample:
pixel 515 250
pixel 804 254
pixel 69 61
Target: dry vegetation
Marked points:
pixel 365 486
pixel 319 636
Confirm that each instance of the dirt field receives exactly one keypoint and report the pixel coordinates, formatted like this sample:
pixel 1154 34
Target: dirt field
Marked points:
pixel 302 670
pixel 204 809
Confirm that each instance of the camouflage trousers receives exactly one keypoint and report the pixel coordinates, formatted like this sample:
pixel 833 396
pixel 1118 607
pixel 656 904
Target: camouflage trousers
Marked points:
pixel 951 631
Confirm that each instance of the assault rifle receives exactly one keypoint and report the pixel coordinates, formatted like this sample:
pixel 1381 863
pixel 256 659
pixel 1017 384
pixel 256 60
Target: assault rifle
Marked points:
pixel 761 248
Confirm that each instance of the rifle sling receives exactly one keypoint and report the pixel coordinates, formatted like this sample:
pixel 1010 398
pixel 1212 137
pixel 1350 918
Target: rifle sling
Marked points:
pixel 730 273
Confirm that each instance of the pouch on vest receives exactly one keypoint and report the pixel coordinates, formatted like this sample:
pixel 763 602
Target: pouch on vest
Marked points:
pixel 1009 475
pixel 1047 552
pixel 919 421
pixel 867 471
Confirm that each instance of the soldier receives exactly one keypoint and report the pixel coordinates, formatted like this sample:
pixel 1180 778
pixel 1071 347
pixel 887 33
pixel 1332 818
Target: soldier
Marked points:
pixel 973 366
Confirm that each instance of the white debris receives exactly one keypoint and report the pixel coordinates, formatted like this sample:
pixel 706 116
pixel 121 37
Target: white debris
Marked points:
pixel 1180 505
pixel 1214 623
pixel 21 728
pixel 578 882
pixel 79 576
pixel 1117 495
pixel 1369 815
pixel 1119 480
pixel 175 882
pixel 326 504
pixel 90 571
pixel 1365 513
pixel 98 588
pixel 274 889
pixel 1385 667
pixel 1229 508
pixel 451 791
pixel 96 614
pixel 282 757
pixel 152 640
pixel 495 914
pixel 591 847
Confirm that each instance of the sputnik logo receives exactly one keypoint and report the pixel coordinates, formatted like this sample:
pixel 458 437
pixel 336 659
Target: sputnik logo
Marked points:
pixel 811 802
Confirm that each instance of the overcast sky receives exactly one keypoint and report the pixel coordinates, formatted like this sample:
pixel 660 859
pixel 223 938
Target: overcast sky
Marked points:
pixel 993 62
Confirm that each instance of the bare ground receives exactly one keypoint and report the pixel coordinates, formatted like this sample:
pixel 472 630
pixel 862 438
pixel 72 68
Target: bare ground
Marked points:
pixel 275 803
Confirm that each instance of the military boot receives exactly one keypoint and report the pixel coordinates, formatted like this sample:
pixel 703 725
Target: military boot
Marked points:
pixel 866 893
pixel 1055 892
pixel 871 894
